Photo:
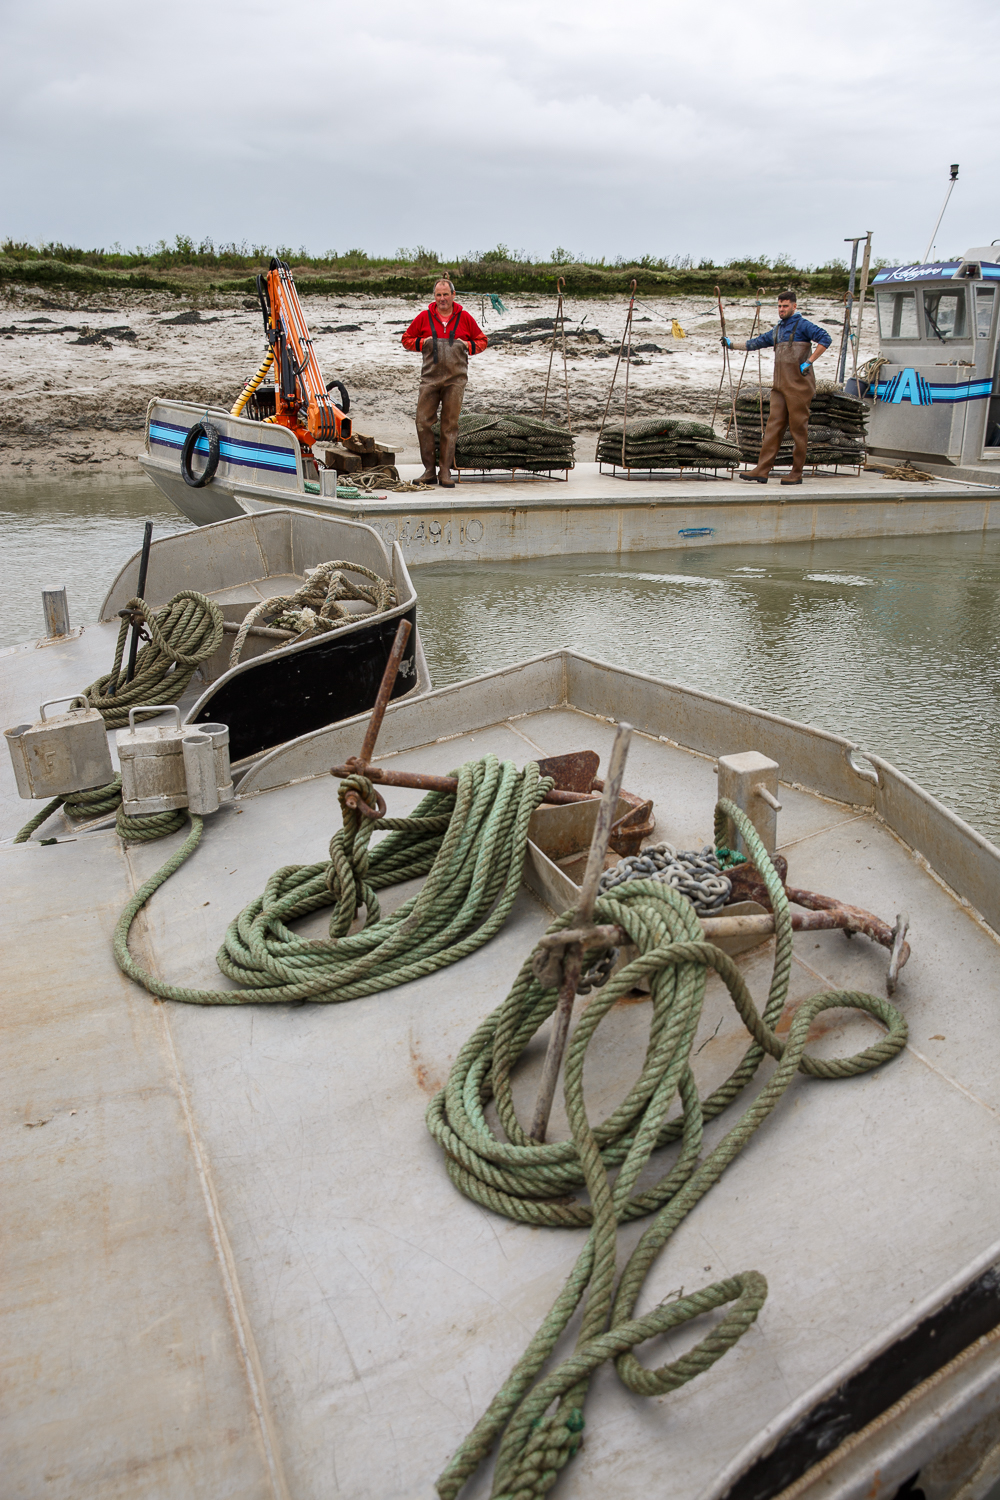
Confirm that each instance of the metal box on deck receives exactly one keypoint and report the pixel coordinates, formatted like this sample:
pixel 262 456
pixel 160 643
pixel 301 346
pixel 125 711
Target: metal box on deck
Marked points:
pixel 67 753
pixel 154 774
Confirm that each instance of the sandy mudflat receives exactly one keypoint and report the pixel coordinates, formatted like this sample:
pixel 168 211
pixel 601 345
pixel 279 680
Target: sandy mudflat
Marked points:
pixel 78 372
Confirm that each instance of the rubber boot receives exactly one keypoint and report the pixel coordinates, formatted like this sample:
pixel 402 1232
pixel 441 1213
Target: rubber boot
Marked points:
pixel 427 405
pixel 752 477
pixel 429 476
pixel 447 459
pixel 451 406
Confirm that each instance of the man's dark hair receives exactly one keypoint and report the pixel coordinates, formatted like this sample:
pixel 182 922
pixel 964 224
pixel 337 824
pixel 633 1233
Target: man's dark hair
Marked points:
pixel 788 296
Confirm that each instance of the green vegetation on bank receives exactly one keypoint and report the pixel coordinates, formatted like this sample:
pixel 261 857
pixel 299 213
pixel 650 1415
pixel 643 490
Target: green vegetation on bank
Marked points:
pixel 188 268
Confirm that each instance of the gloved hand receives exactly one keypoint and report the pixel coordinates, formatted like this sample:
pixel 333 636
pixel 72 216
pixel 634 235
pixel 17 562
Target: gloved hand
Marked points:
pixel 805 367
pixel 726 342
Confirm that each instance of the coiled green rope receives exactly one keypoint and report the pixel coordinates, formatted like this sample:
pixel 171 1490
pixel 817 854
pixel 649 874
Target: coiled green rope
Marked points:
pixel 185 632
pixel 469 843
pixel 542 1418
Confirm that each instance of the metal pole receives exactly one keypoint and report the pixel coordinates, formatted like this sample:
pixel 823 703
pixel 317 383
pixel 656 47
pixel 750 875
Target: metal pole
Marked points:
pixel 573 961
pixel 865 267
pixel 849 307
pixel 424 782
pixel 384 694
pixel 937 226
pixel 135 617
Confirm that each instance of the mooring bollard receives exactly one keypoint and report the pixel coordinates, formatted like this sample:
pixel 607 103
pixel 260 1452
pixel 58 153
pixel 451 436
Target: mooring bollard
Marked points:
pixel 751 781
pixel 55 608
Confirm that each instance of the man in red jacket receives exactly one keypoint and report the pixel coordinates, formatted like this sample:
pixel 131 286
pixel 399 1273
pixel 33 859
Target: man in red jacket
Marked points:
pixel 445 334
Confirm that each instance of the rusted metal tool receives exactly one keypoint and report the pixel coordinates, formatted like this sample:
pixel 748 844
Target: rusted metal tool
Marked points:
pixel 358 764
pixel 821 913
pixel 574 776
pixel 560 954
pixel 424 782
pixel 578 773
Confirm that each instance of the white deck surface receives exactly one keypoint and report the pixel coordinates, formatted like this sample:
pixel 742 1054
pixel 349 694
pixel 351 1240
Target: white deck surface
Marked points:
pixel 238 1267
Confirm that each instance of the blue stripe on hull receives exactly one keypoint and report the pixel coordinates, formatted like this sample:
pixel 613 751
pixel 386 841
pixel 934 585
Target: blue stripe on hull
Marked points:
pixel 245 455
pixel 972 390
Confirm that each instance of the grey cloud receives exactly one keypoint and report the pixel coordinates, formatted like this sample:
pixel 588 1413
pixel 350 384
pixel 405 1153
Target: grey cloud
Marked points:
pixel 638 128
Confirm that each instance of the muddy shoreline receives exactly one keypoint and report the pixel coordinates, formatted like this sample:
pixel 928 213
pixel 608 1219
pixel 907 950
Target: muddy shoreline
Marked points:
pixel 81 369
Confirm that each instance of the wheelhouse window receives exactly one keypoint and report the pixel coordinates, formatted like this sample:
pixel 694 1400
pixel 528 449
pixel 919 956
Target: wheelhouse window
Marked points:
pixel 984 310
pixel 897 315
pixel 945 315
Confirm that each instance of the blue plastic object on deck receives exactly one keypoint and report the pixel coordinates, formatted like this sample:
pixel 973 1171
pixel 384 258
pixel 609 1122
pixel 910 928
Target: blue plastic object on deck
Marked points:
pixel 696 531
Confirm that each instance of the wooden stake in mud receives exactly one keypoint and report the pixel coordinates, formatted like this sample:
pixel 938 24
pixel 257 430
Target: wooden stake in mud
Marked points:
pixel 739 383
pixel 574 941
pixel 865 268
pixel 559 326
pixel 626 338
pixel 726 367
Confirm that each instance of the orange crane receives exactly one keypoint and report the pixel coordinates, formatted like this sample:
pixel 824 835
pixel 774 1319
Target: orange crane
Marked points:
pixel 302 401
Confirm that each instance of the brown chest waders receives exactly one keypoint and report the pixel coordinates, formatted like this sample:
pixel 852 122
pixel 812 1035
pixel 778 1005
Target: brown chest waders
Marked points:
pixel 443 378
pixel 791 397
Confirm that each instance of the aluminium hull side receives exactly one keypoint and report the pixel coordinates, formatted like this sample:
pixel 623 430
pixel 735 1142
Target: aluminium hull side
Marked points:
pixel 267 698
pixel 301 685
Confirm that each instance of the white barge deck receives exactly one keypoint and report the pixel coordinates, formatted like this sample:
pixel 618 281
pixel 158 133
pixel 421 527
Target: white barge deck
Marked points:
pixel 236 1266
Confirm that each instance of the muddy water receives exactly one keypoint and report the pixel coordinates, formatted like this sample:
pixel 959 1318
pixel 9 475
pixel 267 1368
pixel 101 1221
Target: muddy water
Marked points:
pixel 77 532
pixel 895 644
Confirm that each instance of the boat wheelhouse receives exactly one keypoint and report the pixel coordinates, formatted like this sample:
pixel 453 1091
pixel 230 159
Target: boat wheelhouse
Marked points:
pixel 935 393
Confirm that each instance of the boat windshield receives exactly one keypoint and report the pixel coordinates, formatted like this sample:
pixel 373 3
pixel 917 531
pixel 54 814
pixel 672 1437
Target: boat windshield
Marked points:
pixel 984 310
pixel 944 314
pixel 897 315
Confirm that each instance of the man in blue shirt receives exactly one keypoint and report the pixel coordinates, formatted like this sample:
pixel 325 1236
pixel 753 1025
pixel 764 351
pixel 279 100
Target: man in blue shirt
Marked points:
pixel 797 345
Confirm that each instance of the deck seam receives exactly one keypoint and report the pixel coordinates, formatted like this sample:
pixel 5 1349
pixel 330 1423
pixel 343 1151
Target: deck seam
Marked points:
pixel 242 1327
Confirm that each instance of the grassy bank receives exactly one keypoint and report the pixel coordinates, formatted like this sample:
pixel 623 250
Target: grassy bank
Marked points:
pixel 190 270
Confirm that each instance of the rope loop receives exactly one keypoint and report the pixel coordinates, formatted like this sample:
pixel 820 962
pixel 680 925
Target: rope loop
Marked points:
pixel 570 1183
pixel 319 605
pixel 470 844
pixel 183 634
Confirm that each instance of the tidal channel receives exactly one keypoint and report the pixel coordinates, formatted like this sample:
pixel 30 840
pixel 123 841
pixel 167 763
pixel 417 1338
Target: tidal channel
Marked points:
pixel 894 643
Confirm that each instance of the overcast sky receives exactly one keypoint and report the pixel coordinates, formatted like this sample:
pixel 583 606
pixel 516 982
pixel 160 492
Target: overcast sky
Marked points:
pixel 623 128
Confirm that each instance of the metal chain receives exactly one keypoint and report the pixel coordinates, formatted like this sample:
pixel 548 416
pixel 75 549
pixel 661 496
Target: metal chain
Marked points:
pixel 696 876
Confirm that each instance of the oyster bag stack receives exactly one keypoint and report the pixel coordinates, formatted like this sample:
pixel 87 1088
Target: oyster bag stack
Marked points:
pixel 836 427
pixel 509 442
pixel 667 443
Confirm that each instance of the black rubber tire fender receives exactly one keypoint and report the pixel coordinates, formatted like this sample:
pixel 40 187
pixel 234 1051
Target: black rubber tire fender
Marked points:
pixel 345 401
pixel 200 429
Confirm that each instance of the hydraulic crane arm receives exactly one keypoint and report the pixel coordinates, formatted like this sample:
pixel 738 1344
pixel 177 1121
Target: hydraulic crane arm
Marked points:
pixel 302 402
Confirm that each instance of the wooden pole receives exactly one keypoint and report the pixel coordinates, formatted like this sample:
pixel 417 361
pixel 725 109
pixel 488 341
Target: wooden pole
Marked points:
pixel 573 959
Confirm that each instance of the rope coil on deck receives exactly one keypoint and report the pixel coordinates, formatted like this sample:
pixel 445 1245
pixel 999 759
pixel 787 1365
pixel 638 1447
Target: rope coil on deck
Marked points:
pixel 318 606
pixel 541 1419
pixel 184 633
pixel 101 802
pixel 471 846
